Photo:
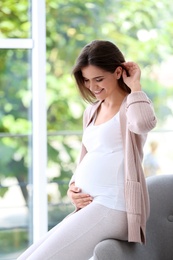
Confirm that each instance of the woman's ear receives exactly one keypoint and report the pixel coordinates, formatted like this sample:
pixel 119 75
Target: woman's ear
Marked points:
pixel 118 72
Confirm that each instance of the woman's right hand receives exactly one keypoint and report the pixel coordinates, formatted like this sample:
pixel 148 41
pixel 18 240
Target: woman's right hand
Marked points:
pixel 79 199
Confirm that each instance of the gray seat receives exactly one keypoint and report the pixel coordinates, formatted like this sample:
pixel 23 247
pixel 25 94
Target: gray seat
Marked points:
pixel 159 244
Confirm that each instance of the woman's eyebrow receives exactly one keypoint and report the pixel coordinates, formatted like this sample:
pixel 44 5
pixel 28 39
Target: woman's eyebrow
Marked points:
pixel 94 77
pixel 98 77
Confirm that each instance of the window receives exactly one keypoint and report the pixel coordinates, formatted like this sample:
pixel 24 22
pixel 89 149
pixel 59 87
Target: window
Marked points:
pixel 23 127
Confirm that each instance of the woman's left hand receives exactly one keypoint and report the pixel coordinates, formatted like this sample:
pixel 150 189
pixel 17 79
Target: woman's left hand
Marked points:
pixel 132 80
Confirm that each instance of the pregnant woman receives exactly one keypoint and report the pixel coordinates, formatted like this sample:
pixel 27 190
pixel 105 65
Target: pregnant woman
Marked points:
pixel 108 187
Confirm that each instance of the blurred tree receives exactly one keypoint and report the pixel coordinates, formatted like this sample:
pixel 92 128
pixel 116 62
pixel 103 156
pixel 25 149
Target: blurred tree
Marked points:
pixel 15 19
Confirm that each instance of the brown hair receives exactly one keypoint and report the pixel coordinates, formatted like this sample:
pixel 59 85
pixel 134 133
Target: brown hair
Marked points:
pixel 103 54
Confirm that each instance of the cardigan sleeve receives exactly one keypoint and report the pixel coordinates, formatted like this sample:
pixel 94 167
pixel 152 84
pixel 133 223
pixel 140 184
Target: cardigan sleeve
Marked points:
pixel 140 113
pixel 86 118
pixel 83 150
pixel 85 121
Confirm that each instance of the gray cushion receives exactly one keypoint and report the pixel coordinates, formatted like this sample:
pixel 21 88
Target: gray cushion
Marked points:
pixel 159 244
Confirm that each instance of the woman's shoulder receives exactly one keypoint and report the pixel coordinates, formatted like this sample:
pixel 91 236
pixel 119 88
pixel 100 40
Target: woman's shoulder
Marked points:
pixel 90 112
pixel 91 108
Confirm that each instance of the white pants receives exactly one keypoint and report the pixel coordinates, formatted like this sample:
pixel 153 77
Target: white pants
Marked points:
pixel 77 235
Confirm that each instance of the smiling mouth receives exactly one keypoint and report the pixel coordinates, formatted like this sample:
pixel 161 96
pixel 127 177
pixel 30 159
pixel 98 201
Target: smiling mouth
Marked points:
pixel 98 91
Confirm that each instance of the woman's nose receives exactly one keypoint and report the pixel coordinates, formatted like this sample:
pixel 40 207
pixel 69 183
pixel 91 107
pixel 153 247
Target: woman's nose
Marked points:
pixel 92 85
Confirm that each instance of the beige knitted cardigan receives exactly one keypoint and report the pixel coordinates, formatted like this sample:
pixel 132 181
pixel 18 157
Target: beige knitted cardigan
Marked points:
pixel 137 118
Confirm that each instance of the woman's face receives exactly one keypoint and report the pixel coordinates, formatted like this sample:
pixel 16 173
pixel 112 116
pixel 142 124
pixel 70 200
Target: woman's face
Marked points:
pixel 101 83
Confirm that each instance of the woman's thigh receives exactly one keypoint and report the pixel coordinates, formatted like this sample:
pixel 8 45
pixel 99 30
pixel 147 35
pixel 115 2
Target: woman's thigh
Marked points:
pixel 76 236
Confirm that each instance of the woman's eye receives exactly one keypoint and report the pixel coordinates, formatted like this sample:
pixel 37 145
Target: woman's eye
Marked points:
pixel 86 83
pixel 99 80
pixel 85 80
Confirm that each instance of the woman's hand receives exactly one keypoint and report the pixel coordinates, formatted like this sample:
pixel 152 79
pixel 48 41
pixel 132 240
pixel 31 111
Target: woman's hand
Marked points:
pixel 132 80
pixel 80 200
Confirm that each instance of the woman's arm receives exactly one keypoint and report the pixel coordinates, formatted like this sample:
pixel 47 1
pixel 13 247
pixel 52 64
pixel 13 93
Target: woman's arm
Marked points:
pixel 140 113
pixel 78 199
pixel 139 109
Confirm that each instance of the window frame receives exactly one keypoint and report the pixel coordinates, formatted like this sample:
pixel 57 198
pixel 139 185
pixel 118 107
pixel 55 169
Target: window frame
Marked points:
pixel 37 45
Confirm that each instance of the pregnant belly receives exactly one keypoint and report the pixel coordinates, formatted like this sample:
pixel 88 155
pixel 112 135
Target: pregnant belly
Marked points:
pixel 99 173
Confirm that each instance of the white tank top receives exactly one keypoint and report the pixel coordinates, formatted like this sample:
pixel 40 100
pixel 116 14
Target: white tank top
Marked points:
pixel 101 172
